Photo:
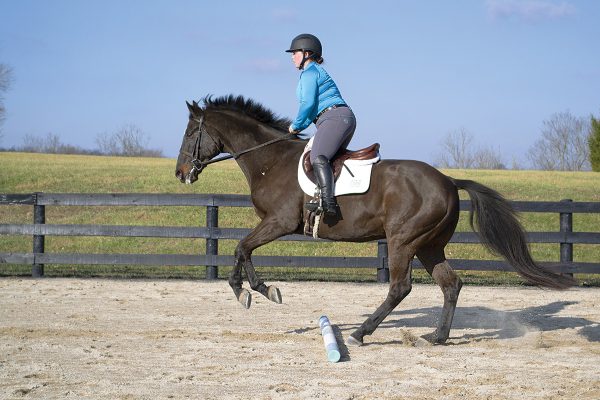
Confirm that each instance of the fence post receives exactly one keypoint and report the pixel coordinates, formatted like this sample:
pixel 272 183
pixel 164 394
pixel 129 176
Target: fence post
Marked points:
pixel 212 245
pixel 383 273
pixel 39 217
pixel 566 225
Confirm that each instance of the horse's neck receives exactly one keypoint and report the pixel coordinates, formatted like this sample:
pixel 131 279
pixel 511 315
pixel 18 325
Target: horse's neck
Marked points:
pixel 279 155
pixel 243 134
pixel 248 138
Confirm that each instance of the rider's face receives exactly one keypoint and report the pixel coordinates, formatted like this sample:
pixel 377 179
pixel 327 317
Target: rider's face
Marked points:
pixel 297 58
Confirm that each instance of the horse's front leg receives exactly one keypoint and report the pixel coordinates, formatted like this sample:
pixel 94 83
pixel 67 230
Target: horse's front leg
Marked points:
pixel 257 284
pixel 235 281
pixel 267 231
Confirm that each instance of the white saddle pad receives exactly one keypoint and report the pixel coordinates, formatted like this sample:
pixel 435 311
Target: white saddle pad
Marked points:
pixel 355 177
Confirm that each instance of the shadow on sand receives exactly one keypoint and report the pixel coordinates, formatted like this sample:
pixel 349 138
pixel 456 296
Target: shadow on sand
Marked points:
pixel 496 324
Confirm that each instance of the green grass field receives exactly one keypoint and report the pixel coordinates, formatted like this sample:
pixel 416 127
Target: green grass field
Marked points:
pixel 27 173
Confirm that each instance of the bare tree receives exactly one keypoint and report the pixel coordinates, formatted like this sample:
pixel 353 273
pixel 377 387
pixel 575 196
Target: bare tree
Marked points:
pixel 49 144
pixel 107 144
pixel 563 145
pixel 132 140
pixel 456 150
pixel 129 141
pixel 32 144
pixel 488 158
pixel 52 144
pixel 5 82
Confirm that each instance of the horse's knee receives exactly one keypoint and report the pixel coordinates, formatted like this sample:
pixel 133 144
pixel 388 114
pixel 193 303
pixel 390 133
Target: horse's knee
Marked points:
pixel 399 291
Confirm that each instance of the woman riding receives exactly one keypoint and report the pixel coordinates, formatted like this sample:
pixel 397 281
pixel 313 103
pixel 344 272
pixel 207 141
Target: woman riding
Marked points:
pixel 320 102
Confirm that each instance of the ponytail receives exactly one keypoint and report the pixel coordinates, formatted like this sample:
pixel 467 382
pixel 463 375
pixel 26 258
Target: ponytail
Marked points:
pixel 316 58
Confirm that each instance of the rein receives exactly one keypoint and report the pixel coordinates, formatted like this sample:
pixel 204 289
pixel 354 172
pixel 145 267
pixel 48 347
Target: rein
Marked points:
pixel 198 165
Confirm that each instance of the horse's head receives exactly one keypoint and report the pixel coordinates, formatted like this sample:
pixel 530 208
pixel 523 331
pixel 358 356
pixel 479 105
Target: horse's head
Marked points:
pixel 198 146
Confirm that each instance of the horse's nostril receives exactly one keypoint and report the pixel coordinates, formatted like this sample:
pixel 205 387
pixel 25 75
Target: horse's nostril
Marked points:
pixel 179 175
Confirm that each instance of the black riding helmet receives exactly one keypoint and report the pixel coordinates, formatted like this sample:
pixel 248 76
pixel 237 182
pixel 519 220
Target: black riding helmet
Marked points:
pixel 306 42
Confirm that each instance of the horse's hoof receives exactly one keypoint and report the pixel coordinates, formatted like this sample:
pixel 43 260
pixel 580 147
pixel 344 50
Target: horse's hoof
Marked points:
pixel 245 298
pixel 433 338
pixel 274 294
pixel 352 341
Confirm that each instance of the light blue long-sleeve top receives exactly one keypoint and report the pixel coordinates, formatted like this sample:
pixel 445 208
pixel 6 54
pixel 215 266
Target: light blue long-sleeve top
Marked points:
pixel 316 91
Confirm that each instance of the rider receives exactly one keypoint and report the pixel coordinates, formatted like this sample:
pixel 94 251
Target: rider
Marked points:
pixel 321 103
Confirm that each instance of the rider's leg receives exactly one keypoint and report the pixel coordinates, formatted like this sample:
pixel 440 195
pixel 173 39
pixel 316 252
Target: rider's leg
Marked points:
pixel 334 131
pixel 324 175
pixel 335 128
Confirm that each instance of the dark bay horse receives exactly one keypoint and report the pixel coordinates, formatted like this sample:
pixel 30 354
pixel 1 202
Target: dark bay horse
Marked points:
pixel 409 203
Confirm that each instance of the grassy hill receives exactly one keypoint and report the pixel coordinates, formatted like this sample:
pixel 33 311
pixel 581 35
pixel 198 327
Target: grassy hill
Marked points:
pixel 27 173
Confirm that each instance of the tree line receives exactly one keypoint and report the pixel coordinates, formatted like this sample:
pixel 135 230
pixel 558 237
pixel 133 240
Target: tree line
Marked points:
pixel 127 141
pixel 567 143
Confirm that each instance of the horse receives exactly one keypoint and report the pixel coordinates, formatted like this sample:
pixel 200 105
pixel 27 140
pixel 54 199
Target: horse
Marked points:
pixel 409 203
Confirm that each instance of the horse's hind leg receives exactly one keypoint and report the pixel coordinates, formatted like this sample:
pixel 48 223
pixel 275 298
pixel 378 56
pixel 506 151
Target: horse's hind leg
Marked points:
pixel 434 261
pixel 400 287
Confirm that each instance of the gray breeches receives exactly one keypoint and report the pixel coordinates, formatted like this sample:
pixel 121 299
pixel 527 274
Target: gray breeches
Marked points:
pixel 335 129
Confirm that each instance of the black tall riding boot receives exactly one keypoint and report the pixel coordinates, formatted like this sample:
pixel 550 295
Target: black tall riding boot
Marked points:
pixel 324 175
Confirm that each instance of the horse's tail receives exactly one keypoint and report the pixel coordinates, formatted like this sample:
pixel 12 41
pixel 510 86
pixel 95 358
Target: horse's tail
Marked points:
pixel 501 232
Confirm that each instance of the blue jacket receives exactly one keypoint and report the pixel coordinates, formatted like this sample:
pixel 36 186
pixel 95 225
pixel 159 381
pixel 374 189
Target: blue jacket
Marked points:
pixel 316 91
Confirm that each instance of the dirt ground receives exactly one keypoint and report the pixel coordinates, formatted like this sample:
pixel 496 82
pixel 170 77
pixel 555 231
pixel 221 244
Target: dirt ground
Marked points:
pixel 122 339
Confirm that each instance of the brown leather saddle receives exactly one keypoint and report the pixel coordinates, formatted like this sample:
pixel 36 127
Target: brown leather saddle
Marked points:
pixel 338 160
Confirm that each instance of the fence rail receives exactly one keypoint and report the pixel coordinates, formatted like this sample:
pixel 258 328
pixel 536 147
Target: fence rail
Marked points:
pixel 212 233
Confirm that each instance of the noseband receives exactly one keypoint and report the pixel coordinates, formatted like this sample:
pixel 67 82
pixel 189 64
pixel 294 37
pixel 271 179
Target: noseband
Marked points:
pixel 198 165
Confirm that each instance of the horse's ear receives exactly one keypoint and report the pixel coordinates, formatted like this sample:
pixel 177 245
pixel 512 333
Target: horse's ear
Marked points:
pixel 194 108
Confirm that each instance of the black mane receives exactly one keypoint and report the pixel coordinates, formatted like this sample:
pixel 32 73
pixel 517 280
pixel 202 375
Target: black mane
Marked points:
pixel 249 107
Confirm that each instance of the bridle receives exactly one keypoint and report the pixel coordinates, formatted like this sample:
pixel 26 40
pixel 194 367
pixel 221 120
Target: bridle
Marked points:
pixel 198 165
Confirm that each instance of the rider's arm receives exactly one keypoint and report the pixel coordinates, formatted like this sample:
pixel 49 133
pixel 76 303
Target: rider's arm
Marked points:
pixel 308 97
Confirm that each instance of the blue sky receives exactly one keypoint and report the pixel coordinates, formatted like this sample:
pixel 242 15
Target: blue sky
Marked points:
pixel 412 71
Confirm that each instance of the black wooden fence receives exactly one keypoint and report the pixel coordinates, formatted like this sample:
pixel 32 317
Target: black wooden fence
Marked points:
pixel 565 238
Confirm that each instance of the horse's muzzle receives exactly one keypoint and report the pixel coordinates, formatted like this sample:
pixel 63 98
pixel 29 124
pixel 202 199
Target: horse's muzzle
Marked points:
pixel 179 175
pixel 188 177
pixel 191 178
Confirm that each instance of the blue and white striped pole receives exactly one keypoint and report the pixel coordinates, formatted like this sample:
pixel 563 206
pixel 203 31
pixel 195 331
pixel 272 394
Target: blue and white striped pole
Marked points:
pixel 331 346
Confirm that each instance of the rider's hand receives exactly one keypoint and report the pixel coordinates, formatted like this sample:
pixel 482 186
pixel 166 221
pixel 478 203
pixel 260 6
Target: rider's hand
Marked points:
pixel 291 130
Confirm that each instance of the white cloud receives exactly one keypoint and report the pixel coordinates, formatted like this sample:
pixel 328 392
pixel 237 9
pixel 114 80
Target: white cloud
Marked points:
pixel 529 10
